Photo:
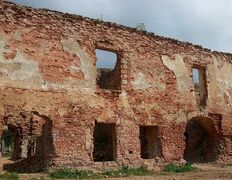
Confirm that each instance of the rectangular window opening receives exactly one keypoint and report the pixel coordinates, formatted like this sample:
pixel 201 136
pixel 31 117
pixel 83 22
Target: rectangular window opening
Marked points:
pixel 149 142
pixel 108 70
pixel 200 84
pixel 104 142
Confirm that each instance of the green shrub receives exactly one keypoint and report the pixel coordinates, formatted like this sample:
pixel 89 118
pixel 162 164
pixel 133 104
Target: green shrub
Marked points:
pixel 179 169
pixel 9 176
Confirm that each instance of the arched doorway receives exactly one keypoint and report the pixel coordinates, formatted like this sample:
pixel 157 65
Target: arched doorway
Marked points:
pixel 201 140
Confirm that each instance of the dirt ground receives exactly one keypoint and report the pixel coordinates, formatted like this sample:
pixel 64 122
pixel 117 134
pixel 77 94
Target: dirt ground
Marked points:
pixel 206 172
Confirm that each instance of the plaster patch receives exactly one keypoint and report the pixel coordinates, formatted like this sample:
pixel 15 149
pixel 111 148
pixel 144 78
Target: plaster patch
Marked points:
pixel 28 68
pixel 18 70
pixel 184 81
pixel 140 82
pixel 86 63
pixel 220 82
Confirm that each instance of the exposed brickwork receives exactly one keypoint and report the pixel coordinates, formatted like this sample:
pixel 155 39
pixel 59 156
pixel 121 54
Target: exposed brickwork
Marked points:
pixel 48 90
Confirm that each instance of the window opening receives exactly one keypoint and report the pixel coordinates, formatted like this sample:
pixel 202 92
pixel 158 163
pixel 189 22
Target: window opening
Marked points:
pixel 108 70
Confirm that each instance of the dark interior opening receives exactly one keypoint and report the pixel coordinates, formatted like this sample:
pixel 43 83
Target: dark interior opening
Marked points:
pixel 149 142
pixel 7 143
pixel 11 144
pixel 200 84
pixel 104 142
pixel 200 140
pixel 108 70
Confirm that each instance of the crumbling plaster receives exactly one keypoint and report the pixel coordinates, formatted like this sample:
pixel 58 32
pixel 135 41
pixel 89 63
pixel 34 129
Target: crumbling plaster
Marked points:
pixel 220 83
pixel 86 63
pixel 177 65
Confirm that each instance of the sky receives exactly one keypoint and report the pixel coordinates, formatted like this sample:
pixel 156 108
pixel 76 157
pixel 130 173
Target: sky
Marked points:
pixel 203 22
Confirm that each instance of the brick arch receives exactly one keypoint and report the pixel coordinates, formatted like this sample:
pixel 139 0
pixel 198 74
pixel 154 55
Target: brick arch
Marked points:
pixel 34 143
pixel 201 140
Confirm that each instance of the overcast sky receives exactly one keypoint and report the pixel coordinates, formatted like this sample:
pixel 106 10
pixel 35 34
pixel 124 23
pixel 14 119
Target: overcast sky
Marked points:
pixel 204 22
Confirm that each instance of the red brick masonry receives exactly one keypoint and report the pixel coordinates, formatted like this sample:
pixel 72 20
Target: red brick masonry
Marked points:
pixel 60 116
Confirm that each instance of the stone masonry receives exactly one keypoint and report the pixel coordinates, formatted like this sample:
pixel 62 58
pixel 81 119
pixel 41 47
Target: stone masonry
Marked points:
pixel 147 112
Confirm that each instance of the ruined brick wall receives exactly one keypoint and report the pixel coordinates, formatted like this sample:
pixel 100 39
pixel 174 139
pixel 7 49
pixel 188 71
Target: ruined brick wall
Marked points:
pixel 48 68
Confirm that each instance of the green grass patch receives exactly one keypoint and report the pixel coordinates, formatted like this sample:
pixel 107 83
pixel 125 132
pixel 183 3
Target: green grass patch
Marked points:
pixel 127 171
pixel 171 168
pixel 73 174
pixel 9 176
pixel 122 172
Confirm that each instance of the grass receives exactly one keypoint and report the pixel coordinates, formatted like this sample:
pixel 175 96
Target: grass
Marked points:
pixel 171 168
pixel 73 174
pixel 126 171
pixel 122 172
pixel 9 176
